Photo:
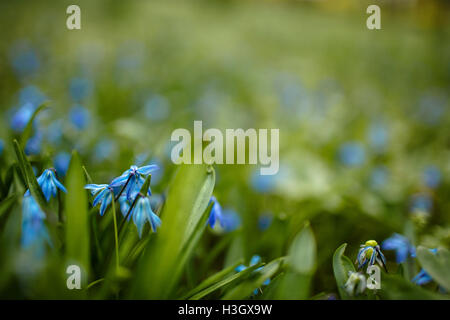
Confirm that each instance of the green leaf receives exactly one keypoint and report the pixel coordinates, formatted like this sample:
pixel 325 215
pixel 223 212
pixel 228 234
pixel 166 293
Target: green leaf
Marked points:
pixel 30 178
pixel 246 288
pixel 187 200
pixel 436 264
pixel 227 281
pixel 212 279
pixel 26 134
pixel 77 222
pixel 341 266
pixel 301 266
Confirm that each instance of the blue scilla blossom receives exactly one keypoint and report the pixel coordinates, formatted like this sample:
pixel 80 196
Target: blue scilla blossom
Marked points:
pixel 31 94
pixel 34 144
pixel 253 261
pixel 79 116
pixel 264 221
pixel 24 59
pixel 61 162
pixel 125 205
pixel 34 231
pixel 22 116
pixel 54 132
pixel 421 202
pixel 432 176
pixel 157 108
pixel 80 88
pixel 402 246
pixel 103 195
pixel 423 277
pixel 262 183
pixel 104 149
pixel 134 178
pixel 378 136
pixel 230 220
pixel 50 184
pixel 216 212
pixel 2 146
pixel 142 212
pixel 370 252
pixel 379 177
pixel 352 154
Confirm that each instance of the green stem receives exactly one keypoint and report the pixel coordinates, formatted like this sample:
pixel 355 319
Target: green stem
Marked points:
pixel 116 237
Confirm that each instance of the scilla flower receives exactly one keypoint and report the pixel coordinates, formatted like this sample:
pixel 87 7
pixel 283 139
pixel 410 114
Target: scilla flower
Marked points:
pixel 103 195
pixel 253 261
pixel 125 205
pixel 49 184
pixel 133 178
pixel 356 283
pixel 403 248
pixel 370 252
pixel 142 212
pixel 216 212
pixel 34 231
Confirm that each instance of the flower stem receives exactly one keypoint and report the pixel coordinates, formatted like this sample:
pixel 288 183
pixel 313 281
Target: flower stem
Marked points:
pixel 116 234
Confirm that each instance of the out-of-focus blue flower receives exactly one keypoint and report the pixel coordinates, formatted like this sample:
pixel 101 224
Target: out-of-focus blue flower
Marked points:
pixel 370 252
pixel 142 212
pixel 31 94
pixel 134 178
pixel 216 212
pixel 262 183
pixel 403 248
pixel 352 154
pixel 54 132
pixel 22 116
pixel 253 261
pixel 423 277
pixel 431 108
pixel 79 116
pixel 80 88
pixel 34 231
pixel 432 176
pixel 34 144
pixel 103 195
pixel 264 221
pixel 421 202
pixel 2 146
pixel 104 150
pixel 230 220
pixel 378 137
pixel 61 162
pixel 49 184
pixel 24 59
pixel 379 177
pixel 157 108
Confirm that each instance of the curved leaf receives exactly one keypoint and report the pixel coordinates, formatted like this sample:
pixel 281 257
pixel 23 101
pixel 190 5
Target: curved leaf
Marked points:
pixel 437 265
pixel 341 266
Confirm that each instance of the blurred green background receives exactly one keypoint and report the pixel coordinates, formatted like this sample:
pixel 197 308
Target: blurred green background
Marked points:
pixel 363 115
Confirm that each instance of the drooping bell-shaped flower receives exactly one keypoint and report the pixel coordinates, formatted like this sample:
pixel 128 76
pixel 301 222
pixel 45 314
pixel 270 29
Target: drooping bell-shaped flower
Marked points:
pixel 49 184
pixel 133 178
pixel 370 252
pixel 142 212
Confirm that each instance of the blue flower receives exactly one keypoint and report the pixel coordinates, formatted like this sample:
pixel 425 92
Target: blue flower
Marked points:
pixel 421 202
pixel 352 154
pixel 423 277
pixel 24 59
pixel 432 176
pixel 103 195
pixel 34 144
pixel 49 184
pixel 157 108
pixel 253 261
pixel 134 178
pixel 370 252
pixel 230 220
pixel 104 150
pixel 262 183
pixel 125 205
pixel 142 212
pixel 34 231
pixel 61 162
pixel 216 212
pixel 401 245
pixel 80 88
pixel 22 116
pixel 79 116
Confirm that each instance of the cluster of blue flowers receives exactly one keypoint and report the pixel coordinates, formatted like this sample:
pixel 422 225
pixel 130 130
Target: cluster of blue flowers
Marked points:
pixel 126 189
pixel 34 231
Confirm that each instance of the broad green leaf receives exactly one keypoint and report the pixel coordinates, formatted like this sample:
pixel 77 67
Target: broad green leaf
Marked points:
pixel 395 287
pixel 341 266
pixel 30 178
pixel 301 261
pixel 187 200
pixel 227 281
pixel 212 279
pixel 436 264
pixel 77 222
pixel 26 134
pixel 246 288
